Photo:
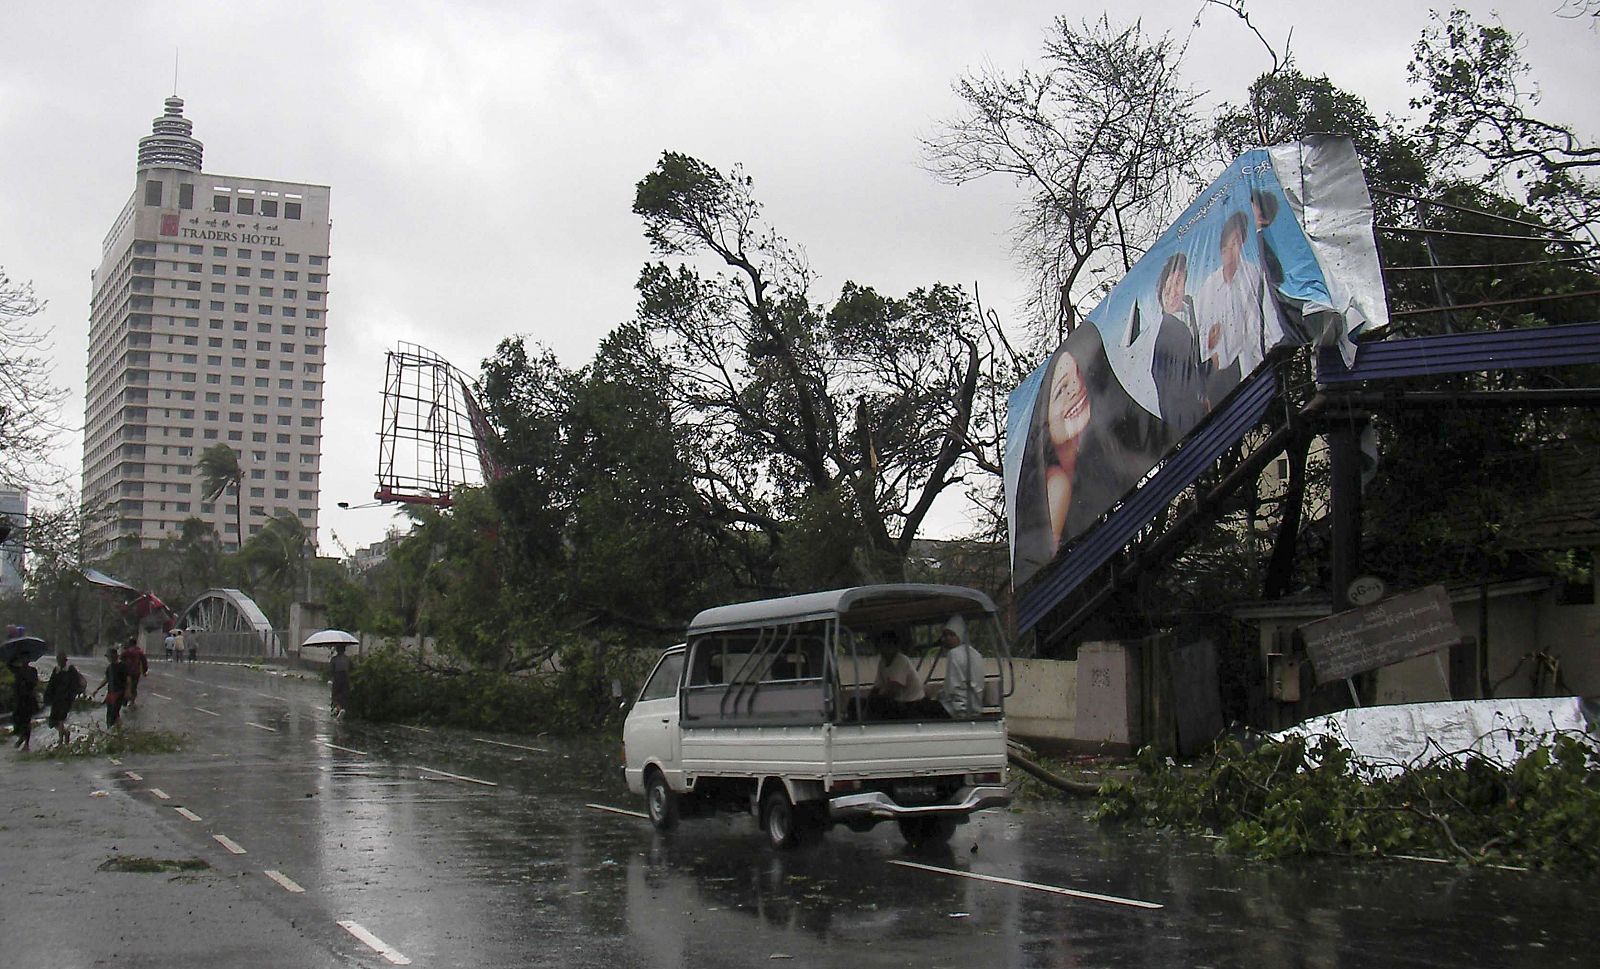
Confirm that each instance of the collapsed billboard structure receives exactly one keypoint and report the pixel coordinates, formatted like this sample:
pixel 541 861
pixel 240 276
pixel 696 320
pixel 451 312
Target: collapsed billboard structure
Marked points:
pixel 1279 251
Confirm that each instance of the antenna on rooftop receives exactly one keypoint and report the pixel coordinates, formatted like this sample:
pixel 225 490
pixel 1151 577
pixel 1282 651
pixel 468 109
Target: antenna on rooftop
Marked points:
pixel 174 72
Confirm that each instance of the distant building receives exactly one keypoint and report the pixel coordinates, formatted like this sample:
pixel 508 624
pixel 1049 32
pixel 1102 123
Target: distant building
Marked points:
pixel 374 555
pixel 208 323
pixel 13 561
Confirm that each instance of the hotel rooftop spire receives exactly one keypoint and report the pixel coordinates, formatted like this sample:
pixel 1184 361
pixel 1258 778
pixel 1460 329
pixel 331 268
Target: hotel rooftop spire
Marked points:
pixel 170 144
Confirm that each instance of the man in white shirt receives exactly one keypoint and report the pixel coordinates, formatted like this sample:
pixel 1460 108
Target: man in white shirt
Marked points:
pixel 897 689
pixel 962 693
pixel 1238 316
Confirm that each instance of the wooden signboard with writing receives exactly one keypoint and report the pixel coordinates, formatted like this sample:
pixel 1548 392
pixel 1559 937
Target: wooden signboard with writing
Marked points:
pixel 1369 637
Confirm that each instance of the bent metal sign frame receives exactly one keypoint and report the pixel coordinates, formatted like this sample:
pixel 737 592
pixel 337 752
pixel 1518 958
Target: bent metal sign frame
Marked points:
pixel 1250 266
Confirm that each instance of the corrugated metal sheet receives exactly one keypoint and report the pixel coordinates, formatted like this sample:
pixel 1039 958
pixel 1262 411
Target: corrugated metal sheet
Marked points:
pixel 1547 346
pixel 1225 427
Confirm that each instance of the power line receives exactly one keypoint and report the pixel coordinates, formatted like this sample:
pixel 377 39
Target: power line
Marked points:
pixel 1463 208
pixel 1490 265
pixel 1407 230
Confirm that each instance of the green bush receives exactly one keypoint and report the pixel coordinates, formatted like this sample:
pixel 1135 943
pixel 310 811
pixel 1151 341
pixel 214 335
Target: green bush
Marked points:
pixel 1307 796
pixel 390 686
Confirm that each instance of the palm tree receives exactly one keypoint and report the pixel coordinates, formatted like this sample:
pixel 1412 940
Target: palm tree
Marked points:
pixel 275 559
pixel 219 468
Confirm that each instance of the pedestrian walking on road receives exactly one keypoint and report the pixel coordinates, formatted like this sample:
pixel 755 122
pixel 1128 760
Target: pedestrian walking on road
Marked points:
pixel 133 656
pixel 65 685
pixel 25 701
pixel 167 643
pixel 115 684
pixel 339 669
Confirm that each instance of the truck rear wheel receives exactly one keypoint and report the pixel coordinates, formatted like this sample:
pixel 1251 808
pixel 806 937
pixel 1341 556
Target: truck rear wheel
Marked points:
pixel 780 819
pixel 660 802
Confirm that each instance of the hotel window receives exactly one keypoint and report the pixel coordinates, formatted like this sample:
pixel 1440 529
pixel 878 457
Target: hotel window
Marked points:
pixel 291 257
pixel 264 291
pixel 186 201
pixel 258 438
pixel 289 311
pixel 152 192
pixel 219 251
pixel 267 255
pixel 289 276
pixel 291 210
pixel 269 207
pixel 241 271
pixel 317 260
pixel 247 206
pixel 219 287
pixel 221 203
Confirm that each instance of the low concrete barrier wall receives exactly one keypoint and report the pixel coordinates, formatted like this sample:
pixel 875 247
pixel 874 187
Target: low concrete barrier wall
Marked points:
pixel 1043 709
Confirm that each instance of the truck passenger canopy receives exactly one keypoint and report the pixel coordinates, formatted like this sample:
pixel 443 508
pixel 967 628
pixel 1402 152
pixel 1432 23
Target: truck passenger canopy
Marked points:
pixel 814 659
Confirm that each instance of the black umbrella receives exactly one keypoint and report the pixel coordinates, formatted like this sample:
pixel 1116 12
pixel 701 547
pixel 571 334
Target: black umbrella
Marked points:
pixel 25 648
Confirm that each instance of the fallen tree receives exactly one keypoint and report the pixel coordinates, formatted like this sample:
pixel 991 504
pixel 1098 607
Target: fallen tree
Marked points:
pixel 1307 795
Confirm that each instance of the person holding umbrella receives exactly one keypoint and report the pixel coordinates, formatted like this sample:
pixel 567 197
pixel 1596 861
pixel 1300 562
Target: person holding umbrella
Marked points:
pixel 18 652
pixel 338 664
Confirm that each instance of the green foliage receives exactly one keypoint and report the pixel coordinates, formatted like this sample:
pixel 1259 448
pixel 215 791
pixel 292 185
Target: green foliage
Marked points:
pixel 574 697
pixel 1308 796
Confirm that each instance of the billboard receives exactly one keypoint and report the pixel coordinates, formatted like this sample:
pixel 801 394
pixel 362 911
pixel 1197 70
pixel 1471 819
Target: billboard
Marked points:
pixel 1278 251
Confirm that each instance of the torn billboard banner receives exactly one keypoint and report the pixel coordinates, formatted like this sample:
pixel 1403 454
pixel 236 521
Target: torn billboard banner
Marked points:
pixel 1278 251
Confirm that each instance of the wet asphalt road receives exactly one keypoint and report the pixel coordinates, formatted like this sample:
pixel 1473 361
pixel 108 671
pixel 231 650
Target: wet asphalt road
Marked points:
pixel 451 849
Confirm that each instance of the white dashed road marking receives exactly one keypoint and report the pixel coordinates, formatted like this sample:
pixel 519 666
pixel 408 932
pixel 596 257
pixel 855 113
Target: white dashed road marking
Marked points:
pixel 229 843
pixel 158 792
pixel 458 777
pixel 407 726
pixel 210 712
pixel 260 726
pixel 1073 893
pixel 285 881
pixel 160 695
pixel 374 943
pixel 130 775
pixel 616 810
pixel 187 813
pixel 502 743
pixel 348 750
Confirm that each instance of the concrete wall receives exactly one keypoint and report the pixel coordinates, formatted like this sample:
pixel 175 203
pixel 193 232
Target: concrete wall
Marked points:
pixel 1044 707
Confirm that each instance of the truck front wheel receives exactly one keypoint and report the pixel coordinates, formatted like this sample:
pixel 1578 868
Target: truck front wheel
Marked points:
pixel 660 802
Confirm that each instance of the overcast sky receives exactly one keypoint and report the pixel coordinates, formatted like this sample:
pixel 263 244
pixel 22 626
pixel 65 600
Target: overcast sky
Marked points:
pixel 482 156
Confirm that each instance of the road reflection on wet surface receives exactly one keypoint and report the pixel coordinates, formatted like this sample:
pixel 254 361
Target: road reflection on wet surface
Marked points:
pixel 454 851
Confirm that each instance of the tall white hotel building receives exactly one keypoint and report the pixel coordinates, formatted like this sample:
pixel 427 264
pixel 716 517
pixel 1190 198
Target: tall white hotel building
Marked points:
pixel 208 323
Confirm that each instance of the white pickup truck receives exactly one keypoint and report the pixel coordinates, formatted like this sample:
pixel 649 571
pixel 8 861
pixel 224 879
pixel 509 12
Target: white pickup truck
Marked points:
pixel 769 709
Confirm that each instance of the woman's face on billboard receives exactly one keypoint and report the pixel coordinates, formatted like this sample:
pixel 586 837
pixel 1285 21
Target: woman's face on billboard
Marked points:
pixel 1069 400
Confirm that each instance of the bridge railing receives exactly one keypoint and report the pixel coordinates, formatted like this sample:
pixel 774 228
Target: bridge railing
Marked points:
pixel 235 647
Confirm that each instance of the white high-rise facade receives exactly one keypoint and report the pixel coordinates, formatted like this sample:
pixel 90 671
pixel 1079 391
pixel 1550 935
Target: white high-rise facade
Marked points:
pixel 208 323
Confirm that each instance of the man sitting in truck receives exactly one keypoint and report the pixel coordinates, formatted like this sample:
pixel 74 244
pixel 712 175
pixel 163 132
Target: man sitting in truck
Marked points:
pixel 897 692
pixel 962 694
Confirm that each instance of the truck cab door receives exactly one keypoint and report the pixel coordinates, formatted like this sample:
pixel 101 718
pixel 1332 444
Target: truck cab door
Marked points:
pixel 651 731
